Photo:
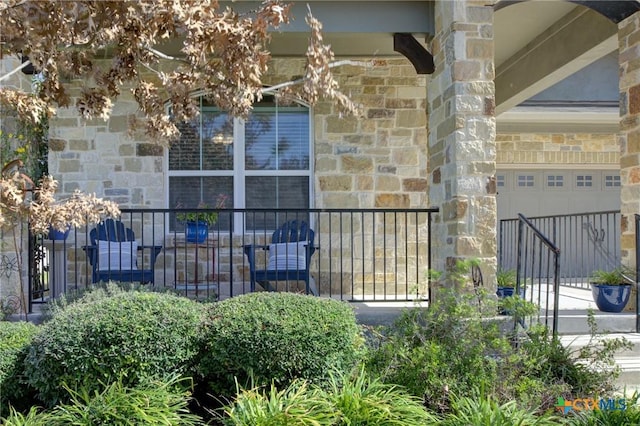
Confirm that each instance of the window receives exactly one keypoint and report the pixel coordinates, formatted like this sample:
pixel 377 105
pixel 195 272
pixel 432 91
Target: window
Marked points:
pixel 584 181
pixel 501 181
pixel 612 181
pixel 261 162
pixel 525 181
pixel 555 181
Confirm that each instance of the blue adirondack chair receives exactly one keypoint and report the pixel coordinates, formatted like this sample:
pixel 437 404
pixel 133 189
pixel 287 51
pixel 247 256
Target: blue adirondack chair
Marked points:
pixel 115 255
pixel 290 251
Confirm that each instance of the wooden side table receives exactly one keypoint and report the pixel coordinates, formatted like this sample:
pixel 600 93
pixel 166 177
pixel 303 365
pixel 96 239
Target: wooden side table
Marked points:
pixel 195 265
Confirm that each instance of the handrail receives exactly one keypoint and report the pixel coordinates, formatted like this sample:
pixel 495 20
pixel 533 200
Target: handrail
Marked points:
pixel 536 264
pixel 365 254
pixel 540 235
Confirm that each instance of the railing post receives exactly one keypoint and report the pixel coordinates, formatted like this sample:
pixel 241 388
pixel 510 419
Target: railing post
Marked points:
pixel 556 291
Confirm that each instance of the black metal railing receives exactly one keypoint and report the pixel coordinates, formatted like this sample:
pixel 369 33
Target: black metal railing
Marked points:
pixel 589 241
pixel 361 254
pixel 538 272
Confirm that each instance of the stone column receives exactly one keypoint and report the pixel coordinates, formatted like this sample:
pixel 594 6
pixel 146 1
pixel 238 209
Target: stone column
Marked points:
pixel 462 150
pixel 629 136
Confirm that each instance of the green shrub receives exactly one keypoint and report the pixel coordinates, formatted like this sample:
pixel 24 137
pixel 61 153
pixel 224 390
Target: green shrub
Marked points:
pixel 157 402
pixel 297 404
pixel 345 401
pixel 277 337
pixel 33 417
pixel 450 346
pixel 587 370
pixel 486 411
pixel 132 335
pixel 14 340
pixel 457 345
pixel 93 293
pixel 362 401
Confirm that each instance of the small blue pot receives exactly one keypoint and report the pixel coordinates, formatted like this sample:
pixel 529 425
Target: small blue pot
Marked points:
pixel 196 232
pixel 611 298
pixel 503 292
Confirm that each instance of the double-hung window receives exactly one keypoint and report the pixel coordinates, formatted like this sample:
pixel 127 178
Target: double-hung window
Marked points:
pixel 261 162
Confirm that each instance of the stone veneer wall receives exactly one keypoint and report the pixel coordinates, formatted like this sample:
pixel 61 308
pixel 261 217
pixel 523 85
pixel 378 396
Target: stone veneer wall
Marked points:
pixel 629 56
pixel 461 95
pixel 9 279
pixel 557 148
pixel 375 161
pixel 378 160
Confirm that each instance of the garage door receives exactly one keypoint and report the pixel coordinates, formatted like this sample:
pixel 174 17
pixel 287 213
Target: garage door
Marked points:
pixel 559 192
pixel 553 192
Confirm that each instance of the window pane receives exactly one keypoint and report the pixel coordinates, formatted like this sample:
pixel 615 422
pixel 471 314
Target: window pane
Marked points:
pixel 206 143
pixel 275 192
pixel 190 191
pixel 217 141
pixel 277 139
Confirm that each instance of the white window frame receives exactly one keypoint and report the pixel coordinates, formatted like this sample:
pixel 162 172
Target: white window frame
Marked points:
pixel 239 173
pixel 516 182
pixel 594 181
pixel 606 187
pixel 555 174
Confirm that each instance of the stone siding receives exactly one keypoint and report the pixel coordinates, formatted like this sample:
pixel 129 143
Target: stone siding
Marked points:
pixel 378 160
pixel 10 293
pixel 462 150
pixel 629 54
pixel 557 148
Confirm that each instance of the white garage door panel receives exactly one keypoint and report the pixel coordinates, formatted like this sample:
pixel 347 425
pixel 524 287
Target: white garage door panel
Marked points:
pixel 559 192
pixel 554 192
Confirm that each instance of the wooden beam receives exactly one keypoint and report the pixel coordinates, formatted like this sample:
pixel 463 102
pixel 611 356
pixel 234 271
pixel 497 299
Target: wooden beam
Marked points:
pixel 420 57
pixel 573 42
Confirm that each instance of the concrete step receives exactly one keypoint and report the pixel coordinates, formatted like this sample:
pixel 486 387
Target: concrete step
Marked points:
pixel 574 322
pixel 628 360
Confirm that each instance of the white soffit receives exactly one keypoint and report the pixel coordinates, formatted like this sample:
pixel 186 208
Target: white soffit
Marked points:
pixel 559 120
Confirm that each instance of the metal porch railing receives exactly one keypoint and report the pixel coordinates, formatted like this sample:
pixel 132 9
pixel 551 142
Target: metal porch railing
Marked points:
pixel 589 241
pixel 538 269
pixel 362 254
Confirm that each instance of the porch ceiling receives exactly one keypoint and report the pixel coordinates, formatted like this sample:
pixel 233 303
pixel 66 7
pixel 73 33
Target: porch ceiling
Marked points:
pixel 539 43
pixel 361 28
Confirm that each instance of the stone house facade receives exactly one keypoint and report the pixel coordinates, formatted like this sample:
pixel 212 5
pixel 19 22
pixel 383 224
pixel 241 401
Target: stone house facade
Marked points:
pixel 423 141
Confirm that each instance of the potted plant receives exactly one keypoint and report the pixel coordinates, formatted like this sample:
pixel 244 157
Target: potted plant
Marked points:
pixel 611 289
pixel 507 281
pixel 197 223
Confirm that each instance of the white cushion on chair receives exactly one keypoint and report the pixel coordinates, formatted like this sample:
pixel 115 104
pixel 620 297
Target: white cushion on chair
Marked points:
pixel 115 256
pixel 288 256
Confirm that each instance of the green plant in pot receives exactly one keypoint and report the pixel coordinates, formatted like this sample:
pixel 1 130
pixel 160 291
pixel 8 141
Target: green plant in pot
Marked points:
pixel 611 289
pixel 197 223
pixel 507 280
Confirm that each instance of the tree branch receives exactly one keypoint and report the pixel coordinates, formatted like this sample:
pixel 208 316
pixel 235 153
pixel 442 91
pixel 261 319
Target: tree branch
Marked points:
pixel 161 55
